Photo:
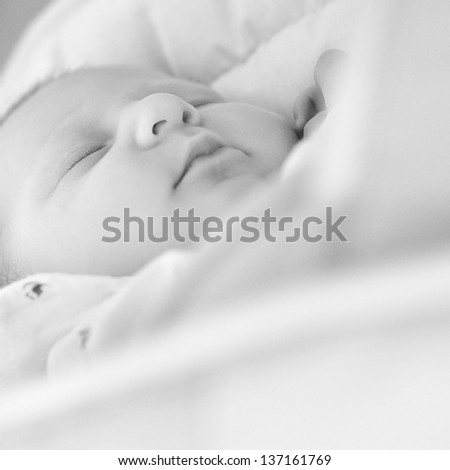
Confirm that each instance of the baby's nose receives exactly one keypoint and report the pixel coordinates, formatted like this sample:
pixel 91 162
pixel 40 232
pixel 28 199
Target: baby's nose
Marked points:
pixel 151 118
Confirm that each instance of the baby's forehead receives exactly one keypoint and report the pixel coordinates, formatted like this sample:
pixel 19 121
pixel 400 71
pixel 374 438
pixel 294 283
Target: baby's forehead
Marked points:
pixel 30 92
pixel 15 132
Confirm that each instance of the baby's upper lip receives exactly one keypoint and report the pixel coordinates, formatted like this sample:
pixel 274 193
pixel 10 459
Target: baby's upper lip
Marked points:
pixel 200 145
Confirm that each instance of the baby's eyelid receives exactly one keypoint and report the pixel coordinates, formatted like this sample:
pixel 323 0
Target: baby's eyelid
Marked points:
pixel 79 157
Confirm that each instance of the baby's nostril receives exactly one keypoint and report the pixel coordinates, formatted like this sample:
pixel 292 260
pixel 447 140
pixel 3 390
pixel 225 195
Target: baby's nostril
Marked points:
pixel 156 127
pixel 186 116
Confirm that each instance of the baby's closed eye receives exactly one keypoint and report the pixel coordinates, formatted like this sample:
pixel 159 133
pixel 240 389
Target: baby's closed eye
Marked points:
pixel 96 150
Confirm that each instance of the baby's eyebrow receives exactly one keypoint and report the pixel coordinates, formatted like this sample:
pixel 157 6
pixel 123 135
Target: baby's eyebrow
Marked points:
pixel 19 102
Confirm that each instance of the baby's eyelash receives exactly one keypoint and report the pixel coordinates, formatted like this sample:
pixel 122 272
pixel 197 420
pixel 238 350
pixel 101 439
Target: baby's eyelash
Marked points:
pixel 80 157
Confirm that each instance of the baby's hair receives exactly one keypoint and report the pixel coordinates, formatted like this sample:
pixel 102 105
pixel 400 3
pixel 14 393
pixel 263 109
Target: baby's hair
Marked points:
pixel 5 278
pixel 3 274
pixel 7 273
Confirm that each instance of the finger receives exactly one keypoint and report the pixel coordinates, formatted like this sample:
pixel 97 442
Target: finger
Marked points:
pixel 313 124
pixel 306 106
pixel 328 74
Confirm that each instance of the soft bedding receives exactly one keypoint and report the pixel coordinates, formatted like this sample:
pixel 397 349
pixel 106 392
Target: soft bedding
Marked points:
pixel 230 45
pixel 368 162
pixel 337 363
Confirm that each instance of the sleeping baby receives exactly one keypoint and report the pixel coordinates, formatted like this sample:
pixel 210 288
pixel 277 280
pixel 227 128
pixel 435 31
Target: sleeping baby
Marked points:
pixel 83 146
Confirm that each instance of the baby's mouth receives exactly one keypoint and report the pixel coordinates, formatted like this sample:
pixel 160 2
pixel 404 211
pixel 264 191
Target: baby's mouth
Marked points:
pixel 203 146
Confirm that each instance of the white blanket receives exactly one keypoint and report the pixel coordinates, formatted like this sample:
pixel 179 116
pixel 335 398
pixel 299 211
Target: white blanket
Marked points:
pixel 259 51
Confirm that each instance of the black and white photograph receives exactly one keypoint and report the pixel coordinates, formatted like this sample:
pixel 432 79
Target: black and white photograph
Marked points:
pixel 224 227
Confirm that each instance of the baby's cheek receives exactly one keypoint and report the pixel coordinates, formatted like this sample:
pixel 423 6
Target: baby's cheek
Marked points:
pixel 23 238
pixel 46 238
pixel 273 147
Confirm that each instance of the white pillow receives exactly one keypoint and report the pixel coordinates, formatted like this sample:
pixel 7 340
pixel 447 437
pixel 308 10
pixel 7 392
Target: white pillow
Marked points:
pixel 196 39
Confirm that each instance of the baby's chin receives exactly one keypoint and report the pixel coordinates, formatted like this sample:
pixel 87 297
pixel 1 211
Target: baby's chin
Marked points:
pixel 223 196
pixel 227 180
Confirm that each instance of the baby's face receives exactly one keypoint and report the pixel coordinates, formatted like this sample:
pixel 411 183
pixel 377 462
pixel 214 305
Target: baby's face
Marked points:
pixel 97 141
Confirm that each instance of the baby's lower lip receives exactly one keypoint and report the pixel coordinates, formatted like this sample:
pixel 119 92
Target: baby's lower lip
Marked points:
pixel 224 163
